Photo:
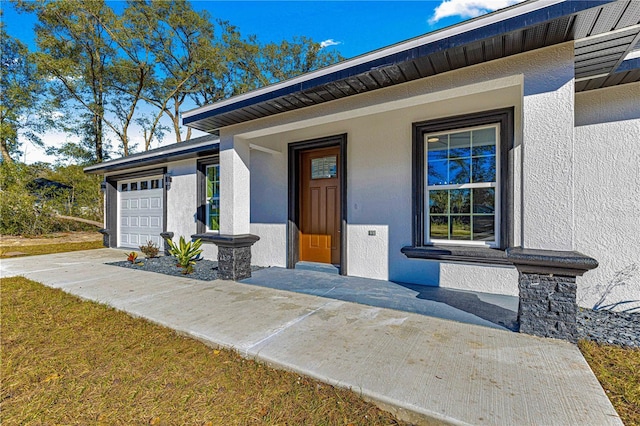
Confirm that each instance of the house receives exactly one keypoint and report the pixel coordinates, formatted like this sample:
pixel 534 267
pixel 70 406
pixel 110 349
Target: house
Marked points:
pixel 423 162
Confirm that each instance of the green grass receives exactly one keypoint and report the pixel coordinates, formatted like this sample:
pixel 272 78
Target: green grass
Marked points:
pixel 618 370
pixel 67 361
pixel 31 250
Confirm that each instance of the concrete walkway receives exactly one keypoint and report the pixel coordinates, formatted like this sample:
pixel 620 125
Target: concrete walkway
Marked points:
pixel 426 370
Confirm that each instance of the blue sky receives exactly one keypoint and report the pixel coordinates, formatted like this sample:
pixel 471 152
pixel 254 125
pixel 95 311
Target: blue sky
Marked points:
pixel 351 27
pixel 357 26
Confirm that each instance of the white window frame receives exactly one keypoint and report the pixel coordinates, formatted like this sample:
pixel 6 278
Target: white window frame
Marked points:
pixel 496 185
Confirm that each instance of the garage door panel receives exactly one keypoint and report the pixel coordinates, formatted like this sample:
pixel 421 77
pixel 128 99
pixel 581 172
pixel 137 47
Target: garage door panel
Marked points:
pixel 141 212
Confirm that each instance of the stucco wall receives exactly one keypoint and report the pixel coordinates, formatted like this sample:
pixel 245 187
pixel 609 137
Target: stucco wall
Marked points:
pixel 182 202
pixel 607 193
pixel 378 127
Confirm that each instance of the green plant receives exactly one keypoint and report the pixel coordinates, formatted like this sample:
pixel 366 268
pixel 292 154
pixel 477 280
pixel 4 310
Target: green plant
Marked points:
pixel 185 253
pixel 150 250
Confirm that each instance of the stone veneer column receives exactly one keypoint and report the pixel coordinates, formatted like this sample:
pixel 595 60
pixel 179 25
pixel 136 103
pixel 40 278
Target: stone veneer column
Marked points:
pixel 166 236
pixel 234 255
pixel 547 284
pixel 106 237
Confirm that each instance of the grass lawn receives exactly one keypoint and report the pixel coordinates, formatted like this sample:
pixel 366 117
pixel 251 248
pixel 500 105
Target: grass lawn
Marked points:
pixel 67 361
pixel 30 250
pixel 618 370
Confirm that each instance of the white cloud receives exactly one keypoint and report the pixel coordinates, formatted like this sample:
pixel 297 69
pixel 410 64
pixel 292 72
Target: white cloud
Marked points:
pixel 329 42
pixel 468 8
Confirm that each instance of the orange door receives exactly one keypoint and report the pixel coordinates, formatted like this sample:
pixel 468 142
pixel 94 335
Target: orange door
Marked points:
pixel 320 205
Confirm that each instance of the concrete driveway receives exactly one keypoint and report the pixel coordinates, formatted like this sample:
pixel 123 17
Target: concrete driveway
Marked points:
pixel 424 369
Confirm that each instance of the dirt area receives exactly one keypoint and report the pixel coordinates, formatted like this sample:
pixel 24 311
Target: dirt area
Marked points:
pixel 57 238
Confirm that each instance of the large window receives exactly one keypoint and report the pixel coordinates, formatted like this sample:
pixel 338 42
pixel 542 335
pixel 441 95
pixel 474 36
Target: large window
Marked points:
pixel 462 188
pixel 213 198
pixel 461 180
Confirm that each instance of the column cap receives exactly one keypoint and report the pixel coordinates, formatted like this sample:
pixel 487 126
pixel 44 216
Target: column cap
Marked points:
pixel 555 262
pixel 226 240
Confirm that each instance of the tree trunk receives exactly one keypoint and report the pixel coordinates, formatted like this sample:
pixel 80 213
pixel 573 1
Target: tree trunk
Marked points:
pixel 5 152
pixel 97 126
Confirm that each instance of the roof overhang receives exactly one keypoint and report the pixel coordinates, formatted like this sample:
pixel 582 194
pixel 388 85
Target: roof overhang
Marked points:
pixel 597 24
pixel 202 146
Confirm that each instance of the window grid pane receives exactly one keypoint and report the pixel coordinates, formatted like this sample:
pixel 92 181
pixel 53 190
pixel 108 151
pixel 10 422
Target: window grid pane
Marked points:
pixel 461 185
pixel 213 198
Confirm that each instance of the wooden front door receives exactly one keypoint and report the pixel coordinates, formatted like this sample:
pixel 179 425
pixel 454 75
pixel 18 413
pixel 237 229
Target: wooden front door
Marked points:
pixel 320 205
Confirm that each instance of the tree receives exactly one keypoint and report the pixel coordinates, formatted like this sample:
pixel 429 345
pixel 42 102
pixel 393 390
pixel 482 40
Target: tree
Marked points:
pixel 105 69
pixel 182 42
pixel 22 109
pixel 74 54
pixel 89 53
pixel 258 65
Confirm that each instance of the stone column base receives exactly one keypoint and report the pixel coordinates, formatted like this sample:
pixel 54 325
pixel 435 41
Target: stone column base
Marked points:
pixel 234 255
pixel 166 236
pixel 106 237
pixel 547 284
pixel 547 306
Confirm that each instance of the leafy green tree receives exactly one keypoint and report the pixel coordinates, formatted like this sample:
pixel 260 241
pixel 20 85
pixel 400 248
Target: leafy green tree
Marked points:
pixel 104 69
pixel 22 108
pixel 84 48
pixel 182 43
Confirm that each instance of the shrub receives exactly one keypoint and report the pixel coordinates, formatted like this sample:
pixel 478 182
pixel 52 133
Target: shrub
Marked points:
pixel 132 257
pixel 185 253
pixel 150 250
pixel 26 210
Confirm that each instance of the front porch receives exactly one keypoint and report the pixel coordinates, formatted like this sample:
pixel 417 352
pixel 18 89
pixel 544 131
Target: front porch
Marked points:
pixel 477 308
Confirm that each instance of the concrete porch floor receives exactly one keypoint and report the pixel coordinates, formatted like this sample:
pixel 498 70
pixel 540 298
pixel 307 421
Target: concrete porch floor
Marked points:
pixel 424 369
pixel 489 310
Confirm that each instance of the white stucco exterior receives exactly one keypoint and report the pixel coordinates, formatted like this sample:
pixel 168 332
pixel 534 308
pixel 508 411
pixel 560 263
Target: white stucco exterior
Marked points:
pixel 575 166
pixel 181 202
pixel 379 149
pixel 607 193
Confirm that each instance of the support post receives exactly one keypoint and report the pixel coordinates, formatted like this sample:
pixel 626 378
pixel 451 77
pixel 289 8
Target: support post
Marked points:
pixel 547 284
pixel 166 236
pixel 106 237
pixel 234 255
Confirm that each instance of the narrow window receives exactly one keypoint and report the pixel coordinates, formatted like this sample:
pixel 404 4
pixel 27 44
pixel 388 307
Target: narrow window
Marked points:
pixel 144 185
pixel 134 186
pixel 213 197
pixel 124 187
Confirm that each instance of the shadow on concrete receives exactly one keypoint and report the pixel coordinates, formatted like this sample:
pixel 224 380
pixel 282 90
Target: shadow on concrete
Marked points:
pixel 471 302
pixel 489 310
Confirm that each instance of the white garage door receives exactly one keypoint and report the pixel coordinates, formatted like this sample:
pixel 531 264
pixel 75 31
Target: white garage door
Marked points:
pixel 140 211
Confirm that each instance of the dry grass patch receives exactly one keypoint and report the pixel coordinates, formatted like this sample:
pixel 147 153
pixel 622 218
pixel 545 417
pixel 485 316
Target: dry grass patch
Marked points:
pixel 66 361
pixel 31 250
pixel 618 370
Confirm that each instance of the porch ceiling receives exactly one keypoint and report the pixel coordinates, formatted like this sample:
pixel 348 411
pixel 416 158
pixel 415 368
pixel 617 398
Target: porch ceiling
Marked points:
pixel 605 32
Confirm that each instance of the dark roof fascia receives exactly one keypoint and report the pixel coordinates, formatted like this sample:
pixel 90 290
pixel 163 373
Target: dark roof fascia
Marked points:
pixel 160 158
pixel 515 23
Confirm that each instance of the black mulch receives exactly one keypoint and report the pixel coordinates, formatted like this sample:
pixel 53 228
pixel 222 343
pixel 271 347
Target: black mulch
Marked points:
pixel 205 270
